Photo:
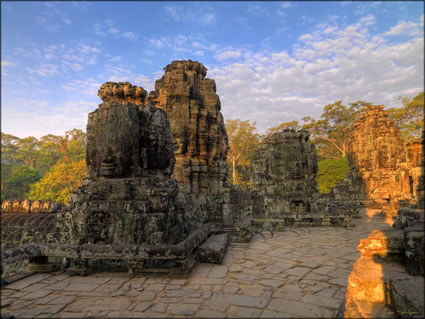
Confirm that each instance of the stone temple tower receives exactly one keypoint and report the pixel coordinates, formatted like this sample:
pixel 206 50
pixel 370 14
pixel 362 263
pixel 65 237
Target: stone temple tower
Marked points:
pixel 283 175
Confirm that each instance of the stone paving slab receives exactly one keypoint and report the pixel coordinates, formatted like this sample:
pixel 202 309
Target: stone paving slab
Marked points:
pixel 301 272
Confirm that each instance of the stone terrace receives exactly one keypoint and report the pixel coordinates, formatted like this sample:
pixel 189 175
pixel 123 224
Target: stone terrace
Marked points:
pixel 298 273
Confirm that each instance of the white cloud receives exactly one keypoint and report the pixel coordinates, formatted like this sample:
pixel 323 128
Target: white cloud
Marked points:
pixel 7 63
pixel 409 28
pixel 346 64
pixel 159 43
pixel 52 18
pixel 228 54
pixel 77 67
pixel 208 17
pixel 98 29
pixel 281 9
pixel 115 59
pixel 129 35
pixel 45 70
pixel 368 20
pixel 173 12
pixel 48 24
pixel 35 117
pixel 305 37
pixel 203 16
pixel 109 28
pixel 81 4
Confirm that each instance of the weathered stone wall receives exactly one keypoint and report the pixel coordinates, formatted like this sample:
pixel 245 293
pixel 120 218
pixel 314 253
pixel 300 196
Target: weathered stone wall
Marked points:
pixel 283 175
pixel 19 229
pixel 197 126
pixel 389 168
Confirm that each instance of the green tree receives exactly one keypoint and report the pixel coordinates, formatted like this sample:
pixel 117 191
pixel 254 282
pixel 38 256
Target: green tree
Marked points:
pixel 60 181
pixel 331 133
pixel 18 184
pixel 243 141
pixel 28 151
pixel 331 171
pixel 283 126
pixel 76 145
pixel 410 117
pixel 6 173
pixel 9 148
pixel 49 152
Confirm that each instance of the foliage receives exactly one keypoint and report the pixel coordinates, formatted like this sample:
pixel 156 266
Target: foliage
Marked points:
pixel 37 155
pixel 28 151
pixel 243 141
pixel 48 153
pixel 330 172
pixel 285 125
pixel 410 117
pixel 17 182
pixel 331 133
pixel 60 181
pixel 9 148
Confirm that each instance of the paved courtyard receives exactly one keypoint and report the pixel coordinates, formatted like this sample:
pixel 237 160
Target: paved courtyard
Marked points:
pixel 298 273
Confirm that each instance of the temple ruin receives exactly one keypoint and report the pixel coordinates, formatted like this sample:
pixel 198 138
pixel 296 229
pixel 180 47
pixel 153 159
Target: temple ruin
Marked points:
pixel 284 184
pixel 156 202
pixel 283 175
pixel 389 168
pixel 128 196
pixel 197 126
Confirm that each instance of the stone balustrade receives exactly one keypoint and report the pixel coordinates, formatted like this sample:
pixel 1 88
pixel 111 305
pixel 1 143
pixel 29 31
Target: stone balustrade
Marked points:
pixel 134 255
pixel 27 206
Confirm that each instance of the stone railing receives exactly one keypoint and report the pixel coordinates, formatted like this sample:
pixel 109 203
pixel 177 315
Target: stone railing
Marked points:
pixel 27 206
pixel 176 259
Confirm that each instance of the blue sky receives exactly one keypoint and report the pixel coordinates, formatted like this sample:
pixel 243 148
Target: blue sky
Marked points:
pixel 272 61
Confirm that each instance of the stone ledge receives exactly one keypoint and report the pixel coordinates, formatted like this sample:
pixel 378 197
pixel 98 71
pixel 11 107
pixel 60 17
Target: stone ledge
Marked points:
pixel 214 248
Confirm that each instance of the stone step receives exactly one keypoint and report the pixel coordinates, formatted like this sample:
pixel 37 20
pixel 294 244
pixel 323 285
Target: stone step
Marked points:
pixel 213 249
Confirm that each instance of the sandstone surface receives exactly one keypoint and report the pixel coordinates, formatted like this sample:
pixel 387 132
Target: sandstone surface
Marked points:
pixel 390 169
pixel 197 126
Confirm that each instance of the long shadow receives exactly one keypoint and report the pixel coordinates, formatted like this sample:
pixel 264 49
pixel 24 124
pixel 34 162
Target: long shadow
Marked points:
pixel 387 280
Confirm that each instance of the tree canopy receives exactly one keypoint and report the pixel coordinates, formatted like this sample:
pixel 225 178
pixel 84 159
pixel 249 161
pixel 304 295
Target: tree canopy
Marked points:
pixel 243 141
pixel 17 181
pixel 26 160
pixel 283 126
pixel 59 182
pixel 331 171
pixel 410 117
pixel 331 133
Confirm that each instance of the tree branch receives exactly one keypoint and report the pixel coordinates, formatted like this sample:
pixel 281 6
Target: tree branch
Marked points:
pixel 333 143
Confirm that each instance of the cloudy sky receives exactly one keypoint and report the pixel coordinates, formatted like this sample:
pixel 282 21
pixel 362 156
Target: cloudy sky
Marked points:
pixel 272 62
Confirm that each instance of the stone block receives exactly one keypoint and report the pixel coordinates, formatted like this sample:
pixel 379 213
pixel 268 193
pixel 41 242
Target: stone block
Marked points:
pixel 213 249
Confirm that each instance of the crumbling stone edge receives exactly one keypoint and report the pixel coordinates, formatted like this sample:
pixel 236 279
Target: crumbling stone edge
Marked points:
pixel 132 253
